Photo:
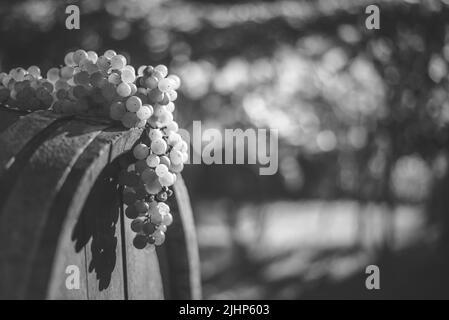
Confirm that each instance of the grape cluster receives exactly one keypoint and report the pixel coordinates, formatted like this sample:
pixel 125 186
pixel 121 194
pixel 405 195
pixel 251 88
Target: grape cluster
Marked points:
pixel 26 89
pixel 102 86
pixel 107 86
pixel 158 157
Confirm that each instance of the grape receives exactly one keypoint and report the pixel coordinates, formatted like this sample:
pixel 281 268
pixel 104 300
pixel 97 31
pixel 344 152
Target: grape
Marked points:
pixel 165 118
pixel 79 55
pixel 68 60
pixel 144 112
pixel 156 217
pixel 172 95
pixel 163 207
pixel 114 78
pixel 151 181
pixel 176 157
pixel 141 206
pixel 67 72
pixel 162 227
pixel 137 225
pixel 123 89
pixel 152 160
pixel 174 138
pixel 151 82
pixel 85 64
pixel 158 75
pixel 141 151
pixel 165 99
pixel 140 241
pixel 61 94
pixel 28 77
pixel 92 67
pixel 133 104
pixel 92 56
pixel 185 157
pixel 61 84
pixel 154 207
pixel 141 123
pixel 148 228
pixel 53 74
pixel 6 80
pixel 81 78
pixel 70 82
pixel 162 196
pixel 18 74
pixel 177 168
pixel 159 237
pixel 130 120
pixel 131 212
pixel 166 85
pixel 128 76
pixel 151 241
pixel 133 88
pixel 159 110
pixel 148 71
pixel 165 160
pixel 172 126
pixel 143 97
pixel 162 69
pixel 148 176
pixel 155 95
pixel 103 63
pixel 46 85
pixel 161 170
pixel 167 179
pixel 167 219
pixel 34 71
pixel 130 67
pixel 97 79
pixel 118 62
pixel 159 146
pixel 117 110
pixel 110 53
pixel 155 134
pixel 140 70
pixel 176 80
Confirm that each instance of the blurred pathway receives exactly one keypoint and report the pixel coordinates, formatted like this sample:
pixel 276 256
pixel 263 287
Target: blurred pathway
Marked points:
pixel 290 250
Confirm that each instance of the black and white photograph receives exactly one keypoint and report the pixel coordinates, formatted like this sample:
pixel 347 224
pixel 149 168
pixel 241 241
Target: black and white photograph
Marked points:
pixel 225 154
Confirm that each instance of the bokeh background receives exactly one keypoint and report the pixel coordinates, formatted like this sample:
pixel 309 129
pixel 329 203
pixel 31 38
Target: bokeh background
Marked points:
pixel 363 132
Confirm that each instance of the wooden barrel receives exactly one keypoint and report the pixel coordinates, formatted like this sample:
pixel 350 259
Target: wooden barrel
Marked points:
pixel 62 218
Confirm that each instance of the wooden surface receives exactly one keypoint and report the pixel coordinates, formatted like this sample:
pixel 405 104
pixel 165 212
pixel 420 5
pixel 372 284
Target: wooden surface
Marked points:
pixel 60 207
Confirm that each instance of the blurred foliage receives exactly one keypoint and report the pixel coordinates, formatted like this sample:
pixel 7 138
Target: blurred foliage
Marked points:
pixel 361 113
